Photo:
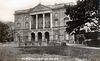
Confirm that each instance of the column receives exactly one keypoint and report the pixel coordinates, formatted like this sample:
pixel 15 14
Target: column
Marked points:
pixel 30 18
pixel 43 21
pixel 36 21
pixel 43 37
pixel 50 20
pixel 36 37
pixel 29 37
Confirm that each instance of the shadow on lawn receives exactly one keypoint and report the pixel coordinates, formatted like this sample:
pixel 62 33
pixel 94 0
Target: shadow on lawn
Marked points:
pixel 57 50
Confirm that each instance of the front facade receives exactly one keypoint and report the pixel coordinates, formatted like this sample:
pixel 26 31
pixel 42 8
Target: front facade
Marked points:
pixel 41 25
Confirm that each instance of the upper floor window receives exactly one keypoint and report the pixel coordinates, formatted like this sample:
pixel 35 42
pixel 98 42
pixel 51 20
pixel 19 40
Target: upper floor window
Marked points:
pixel 56 15
pixel 26 18
pixel 18 19
pixel 66 19
pixel 47 20
pixel 26 25
pixel 56 22
pixel 18 25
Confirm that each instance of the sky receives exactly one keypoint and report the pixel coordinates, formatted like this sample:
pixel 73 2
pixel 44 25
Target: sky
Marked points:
pixel 8 7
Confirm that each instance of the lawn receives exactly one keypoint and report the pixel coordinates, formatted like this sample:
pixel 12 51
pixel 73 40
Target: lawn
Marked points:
pixel 57 50
pixel 11 53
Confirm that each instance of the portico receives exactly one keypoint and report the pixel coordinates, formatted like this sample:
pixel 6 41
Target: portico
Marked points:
pixel 41 20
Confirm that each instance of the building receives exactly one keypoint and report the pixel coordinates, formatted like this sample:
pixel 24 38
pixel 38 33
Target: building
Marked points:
pixel 42 24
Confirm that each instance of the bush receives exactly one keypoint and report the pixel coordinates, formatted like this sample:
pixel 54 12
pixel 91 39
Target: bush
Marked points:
pixel 54 44
pixel 63 44
pixel 93 43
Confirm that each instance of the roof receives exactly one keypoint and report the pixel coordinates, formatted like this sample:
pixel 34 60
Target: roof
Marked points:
pixel 22 11
pixel 56 6
pixel 61 5
pixel 39 7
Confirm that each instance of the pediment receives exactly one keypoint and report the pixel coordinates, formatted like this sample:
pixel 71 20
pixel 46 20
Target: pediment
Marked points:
pixel 40 7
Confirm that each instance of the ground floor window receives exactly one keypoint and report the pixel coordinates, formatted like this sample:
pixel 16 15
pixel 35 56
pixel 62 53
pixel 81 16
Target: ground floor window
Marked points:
pixel 66 36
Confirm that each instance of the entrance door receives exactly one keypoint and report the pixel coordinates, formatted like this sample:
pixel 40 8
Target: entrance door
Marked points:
pixel 40 37
pixel 32 37
pixel 47 37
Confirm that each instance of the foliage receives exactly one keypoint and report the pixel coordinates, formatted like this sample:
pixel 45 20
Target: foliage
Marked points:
pixel 10 36
pixel 3 31
pixel 86 11
pixel 6 32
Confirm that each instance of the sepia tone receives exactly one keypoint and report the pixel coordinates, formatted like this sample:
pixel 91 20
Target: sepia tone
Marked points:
pixel 58 32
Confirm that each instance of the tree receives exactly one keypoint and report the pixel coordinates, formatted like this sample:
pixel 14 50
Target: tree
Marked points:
pixel 10 36
pixel 3 31
pixel 86 11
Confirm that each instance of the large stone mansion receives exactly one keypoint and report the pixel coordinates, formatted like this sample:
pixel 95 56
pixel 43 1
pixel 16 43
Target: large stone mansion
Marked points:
pixel 42 24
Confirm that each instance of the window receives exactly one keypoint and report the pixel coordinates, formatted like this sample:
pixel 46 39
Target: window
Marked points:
pixel 18 19
pixel 56 37
pixel 56 15
pixel 56 22
pixel 40 21
pixel 18 25
pixel 26 25
pixel 66 19
pixel 47 24
pixel 26 38
pixel 47 20
pixel 33 22
pixel 56 34
pixel 67 37
pixel 26 18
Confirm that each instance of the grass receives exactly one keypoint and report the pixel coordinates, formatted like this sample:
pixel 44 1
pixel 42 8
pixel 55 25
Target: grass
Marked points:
pixel 8 54
pixel 58 50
